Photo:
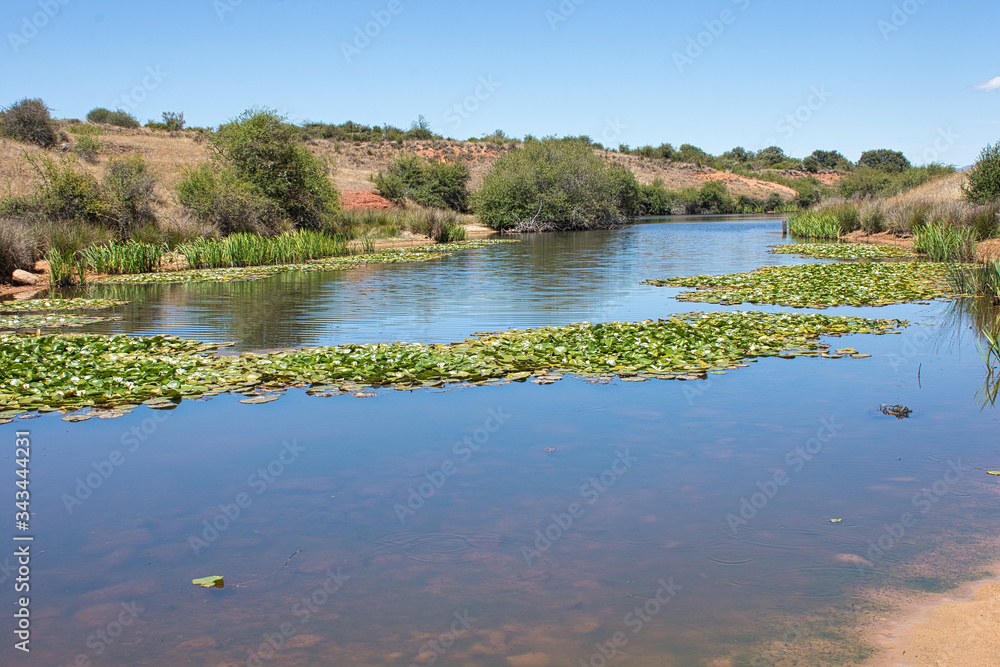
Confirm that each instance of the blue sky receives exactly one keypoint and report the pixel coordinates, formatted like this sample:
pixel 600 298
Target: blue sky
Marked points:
pixel 846 75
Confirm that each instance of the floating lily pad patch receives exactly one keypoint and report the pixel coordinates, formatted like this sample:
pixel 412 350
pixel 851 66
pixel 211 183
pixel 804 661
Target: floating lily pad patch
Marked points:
pixel 20 322
pixel 842 250
pixel 77 371
pixel 819 285
pixel 48 305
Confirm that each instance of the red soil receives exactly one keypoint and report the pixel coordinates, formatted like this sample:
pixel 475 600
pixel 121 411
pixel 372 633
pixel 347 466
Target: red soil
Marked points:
pixel 358 200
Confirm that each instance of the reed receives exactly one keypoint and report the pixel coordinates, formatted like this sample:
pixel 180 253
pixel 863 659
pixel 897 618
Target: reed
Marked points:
pixel 238 250
pixel 128 257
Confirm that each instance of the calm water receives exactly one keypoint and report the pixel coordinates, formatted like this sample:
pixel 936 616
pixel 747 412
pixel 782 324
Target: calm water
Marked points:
pixel 433 527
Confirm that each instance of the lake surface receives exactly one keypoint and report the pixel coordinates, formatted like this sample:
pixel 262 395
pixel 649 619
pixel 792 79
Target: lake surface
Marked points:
pixel 655 523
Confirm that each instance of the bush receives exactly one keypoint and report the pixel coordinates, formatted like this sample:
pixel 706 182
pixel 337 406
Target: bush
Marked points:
pixel 263 150
pixel 944 242
pixel 656 199
pixel 118 118
pixel 127 188
pixel 66 193
pixel 18 247
pixel 29 121
pixel 556 184
pixel 217 196
pixel 87 144
pixel 434 184
pixel 984 178
pixel 173 121
pixel 714 197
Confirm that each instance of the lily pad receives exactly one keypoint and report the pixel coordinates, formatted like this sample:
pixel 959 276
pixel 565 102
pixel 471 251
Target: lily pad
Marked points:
pixel 260 400
pixel 209 582
pixel 842 250
pixel 819 285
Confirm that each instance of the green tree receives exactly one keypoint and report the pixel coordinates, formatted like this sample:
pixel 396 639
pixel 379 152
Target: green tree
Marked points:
pixel 29 121
pixel 984 177
pixel 883 159
pixel 832 160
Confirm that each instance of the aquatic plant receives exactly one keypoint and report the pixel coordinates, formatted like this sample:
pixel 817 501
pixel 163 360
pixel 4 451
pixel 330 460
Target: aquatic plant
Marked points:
pixel 819 285
pixel 75 371
pixel 814 225
pixel 239 250
pixel 944 242
pixel 48 305
pixel 118 257
pixel 842 250
pixel 10 323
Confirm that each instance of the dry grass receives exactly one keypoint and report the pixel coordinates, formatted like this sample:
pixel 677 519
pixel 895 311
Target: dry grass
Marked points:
pixel 941 190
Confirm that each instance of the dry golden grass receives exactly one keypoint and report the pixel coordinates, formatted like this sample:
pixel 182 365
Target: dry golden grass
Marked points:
pixel 939 191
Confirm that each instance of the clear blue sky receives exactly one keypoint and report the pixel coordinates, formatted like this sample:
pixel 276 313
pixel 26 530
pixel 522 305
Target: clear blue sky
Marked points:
pixel 621 72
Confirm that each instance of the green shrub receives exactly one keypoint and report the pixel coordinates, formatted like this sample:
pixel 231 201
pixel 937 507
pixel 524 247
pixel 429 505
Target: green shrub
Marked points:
pixel 714 197
pixel 434 184
pixel 18 247
pixel 66 193
pixel 29 121
pixel 173 120
pixel 656 199
pixel 127 188
pixel 873 219
pixel 118 118
pixel 556 184
pixel 265 151
pixel 984 178
pixel 217 196
pixel 87 147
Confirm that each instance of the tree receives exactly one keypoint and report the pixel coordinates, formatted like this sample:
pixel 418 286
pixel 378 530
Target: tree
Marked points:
pixel 770 156
pixel 883 159
pixel 984 177
pixel 831 160
pixel 173 121
pixel 738 154
pixel 811 164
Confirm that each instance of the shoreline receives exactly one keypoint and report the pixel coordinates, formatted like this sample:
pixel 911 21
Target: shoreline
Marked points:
pixel 954 628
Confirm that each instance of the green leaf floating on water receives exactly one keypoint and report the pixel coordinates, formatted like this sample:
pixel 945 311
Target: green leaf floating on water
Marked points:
pixel 209 582
pixel 47 305
pixel 993 472
pixel 842 250
pixel 76 371
pixel 819 285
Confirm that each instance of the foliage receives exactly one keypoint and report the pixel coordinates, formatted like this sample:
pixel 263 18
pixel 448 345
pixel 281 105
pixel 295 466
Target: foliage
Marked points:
pixel 833 160
pixel 883 159
pixel 82 371
pixel 984 178
pixel 127 189
pixel 435 184
pixel 123 257
pixel 216 195
pixel 52 305
pixel 173 120
pixel 118 118
pixel 238 250
pixel 29 121
pixel 842 250
pixel 867 182
pixel 263 150
pixel 65 192
pixel 944 242
pixel 813 225
pixel 556 184
pixel 819 285
pixel 351 131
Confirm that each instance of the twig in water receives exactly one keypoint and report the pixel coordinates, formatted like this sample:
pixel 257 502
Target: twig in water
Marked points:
pixel 273 573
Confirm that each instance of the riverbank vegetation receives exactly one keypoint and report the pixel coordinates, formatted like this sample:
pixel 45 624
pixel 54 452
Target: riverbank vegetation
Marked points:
pixel 46 373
